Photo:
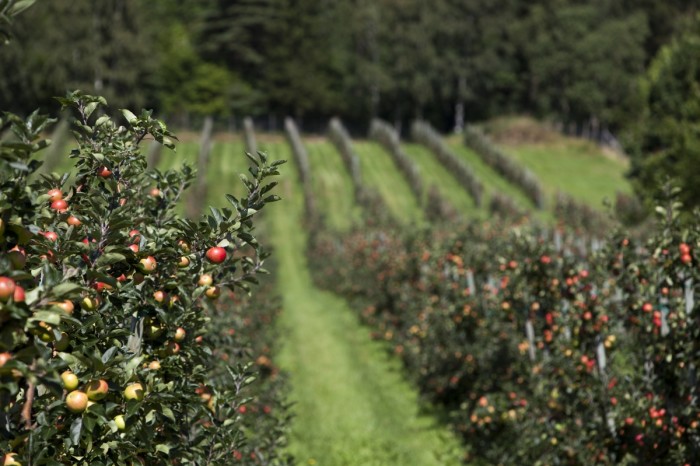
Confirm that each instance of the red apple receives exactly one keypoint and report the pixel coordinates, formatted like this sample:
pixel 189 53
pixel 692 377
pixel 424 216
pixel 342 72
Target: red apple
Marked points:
pixel 172 348
pixel 148 264
pixel 180 334
pixel 97 389
pixel 159 296
pixel 184 262
pixel 55 194
pixel 60 205
pixel 216 255
pixel 67 306
pixel 74 221
pixel 134 248
pixel 104 172
pixel 18 295
pixel 50 235
pixel 76 401
pixel 155 192
pixel 7 289
pixel 213 292
pixel 134 235
pixel 154 365
pixel 205 280
pixel 4 358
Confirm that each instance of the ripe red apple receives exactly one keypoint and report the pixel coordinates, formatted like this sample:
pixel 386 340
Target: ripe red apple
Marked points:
pixel 154 365
pixel 97 389
pixel 70 380
pixel 205 280
pixel 683 248
pixel 76 401
pixel 199 339
pixel 50 235
pixel 60 205
pixel 155 192
pixel 159 296
pixel 172 348
pixel 213 292
pixel 134 391
pixel 147 264
pixel 74 221
pixel 4 358
pixel 134 235
pixel 134 248
pixel 102 286
pixel 647 307
pixel 7 289
pixel 686 258
pixel 55 194
pixel 19 295
pixel 67 306
pixel 184 262
pixel 104 172
pixel 216 255
pixel 180 334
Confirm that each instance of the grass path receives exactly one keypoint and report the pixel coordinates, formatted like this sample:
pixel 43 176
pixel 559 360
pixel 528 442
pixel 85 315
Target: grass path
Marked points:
pixel 434 174
pixel 353 406
pixel 331 178
pixel 379 171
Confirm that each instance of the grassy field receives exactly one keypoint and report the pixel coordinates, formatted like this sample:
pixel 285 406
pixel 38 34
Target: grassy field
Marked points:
pixel 434 174
pixel 576 167
pixel 332 181
pixel 378 171
pixel 492 181
pixel 353 406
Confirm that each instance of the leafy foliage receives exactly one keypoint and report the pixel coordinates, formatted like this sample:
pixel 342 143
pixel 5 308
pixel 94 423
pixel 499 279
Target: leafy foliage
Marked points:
pixel 542 352
pixel 112 291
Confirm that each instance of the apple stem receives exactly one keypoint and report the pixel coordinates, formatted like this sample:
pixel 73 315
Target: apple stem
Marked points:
pixel 27 409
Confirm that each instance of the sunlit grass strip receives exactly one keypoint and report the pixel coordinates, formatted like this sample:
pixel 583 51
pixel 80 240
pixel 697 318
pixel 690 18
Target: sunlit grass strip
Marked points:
pixel 379 173
pixel 352 406
pixel 505 165
pixel 424 134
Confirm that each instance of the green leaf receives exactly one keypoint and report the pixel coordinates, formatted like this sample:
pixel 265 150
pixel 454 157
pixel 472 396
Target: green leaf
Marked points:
pixel 128 115
pixel 111 258
pixel 107 355
pixel 75 431
pixel 163 448
pixel 49 317
pixel 64 289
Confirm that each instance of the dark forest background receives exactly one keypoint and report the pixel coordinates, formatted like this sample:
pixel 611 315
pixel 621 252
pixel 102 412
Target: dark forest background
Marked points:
pixel 629 68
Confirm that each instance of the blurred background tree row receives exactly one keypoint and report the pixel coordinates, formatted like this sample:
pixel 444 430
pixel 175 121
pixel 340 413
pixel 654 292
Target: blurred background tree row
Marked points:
pixel 624 67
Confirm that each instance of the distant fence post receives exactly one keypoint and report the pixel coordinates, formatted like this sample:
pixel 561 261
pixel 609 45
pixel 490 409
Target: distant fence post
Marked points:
pixel 198 199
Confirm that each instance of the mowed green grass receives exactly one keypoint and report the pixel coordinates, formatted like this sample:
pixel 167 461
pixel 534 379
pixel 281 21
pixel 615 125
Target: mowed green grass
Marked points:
pixel 490 179
pixel 379 172
pixel 332 185
pixel 576 167
pixel 353 406
pixel 434 174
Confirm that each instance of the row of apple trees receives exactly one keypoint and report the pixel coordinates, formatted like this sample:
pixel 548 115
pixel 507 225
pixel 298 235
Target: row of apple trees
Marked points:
pixel 122 340
pixel 540 350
